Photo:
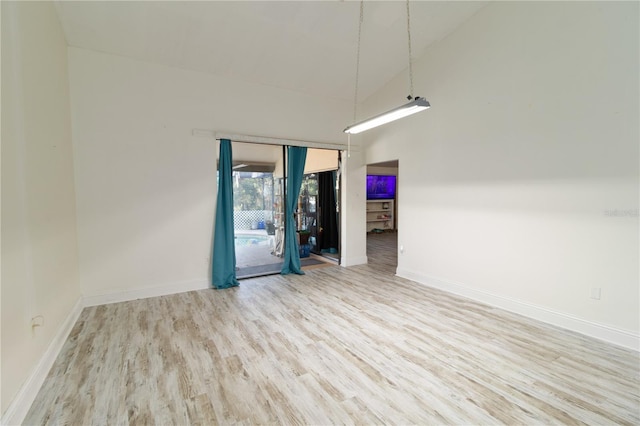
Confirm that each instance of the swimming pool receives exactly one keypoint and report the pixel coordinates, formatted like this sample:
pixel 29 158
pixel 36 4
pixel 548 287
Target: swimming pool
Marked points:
pixel 251 240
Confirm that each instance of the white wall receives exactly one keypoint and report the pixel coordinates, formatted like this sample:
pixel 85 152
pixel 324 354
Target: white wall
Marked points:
pixel 146 187
pixel 353 226
pixel 511 181
pixel 39 251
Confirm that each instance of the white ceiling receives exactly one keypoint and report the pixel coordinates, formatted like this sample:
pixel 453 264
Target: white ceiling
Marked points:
pixel 304 46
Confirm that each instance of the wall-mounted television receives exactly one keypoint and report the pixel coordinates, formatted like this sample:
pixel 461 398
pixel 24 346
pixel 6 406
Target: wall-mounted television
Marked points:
pixel 381 187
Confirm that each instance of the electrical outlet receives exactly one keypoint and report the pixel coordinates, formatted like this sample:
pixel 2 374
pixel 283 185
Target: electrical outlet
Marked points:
pixel 595 293
pixel 401 249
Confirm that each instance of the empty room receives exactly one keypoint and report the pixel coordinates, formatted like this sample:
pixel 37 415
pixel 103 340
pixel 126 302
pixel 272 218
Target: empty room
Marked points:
pixel 320 212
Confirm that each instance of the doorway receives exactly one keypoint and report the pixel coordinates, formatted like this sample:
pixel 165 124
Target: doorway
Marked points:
pixel 318 204
pixel 382 215
pixel 259 193
pixel 257 181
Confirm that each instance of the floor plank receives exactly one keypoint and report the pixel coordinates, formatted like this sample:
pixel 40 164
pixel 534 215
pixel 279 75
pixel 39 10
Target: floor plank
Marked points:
pixel 337 345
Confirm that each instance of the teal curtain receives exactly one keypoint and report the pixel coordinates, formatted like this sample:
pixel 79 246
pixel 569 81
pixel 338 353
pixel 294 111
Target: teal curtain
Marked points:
pixel 296 157
pixel 223 274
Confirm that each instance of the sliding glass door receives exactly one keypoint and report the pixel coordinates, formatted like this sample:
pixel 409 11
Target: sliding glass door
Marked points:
pixel 259 188
pixel 318 204
pixel 258 216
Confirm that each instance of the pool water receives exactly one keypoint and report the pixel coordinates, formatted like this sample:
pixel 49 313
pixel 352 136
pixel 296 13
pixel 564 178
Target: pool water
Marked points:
pixel 251 240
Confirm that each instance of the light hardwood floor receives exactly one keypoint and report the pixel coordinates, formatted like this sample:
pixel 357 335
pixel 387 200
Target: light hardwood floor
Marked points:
pixel 338 345
pixel 382 252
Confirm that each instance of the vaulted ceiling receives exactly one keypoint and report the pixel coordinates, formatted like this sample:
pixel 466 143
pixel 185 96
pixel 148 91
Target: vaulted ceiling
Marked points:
pixel 307 46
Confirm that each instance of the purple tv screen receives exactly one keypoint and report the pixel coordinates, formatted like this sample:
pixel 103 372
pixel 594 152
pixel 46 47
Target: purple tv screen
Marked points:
pixel 381 187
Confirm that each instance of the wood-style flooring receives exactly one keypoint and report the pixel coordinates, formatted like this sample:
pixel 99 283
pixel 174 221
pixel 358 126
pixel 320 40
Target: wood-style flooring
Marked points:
pixel 335 346
pixel 382 252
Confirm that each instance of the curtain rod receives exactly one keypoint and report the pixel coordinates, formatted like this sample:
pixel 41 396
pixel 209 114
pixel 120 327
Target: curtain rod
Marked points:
pixel 279 141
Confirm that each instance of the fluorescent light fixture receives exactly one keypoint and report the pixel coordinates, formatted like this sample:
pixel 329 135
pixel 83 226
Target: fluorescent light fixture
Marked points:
pixel 416 105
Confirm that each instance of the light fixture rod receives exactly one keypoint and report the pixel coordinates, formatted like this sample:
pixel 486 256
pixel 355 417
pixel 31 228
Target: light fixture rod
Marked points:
pixel 409 42
pixel 416 105
pixel 355 92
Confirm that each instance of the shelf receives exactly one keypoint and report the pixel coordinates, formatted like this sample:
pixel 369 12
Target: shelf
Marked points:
pixel 380 215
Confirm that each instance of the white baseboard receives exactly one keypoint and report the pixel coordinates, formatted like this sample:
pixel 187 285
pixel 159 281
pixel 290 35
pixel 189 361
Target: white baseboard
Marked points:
pixel 145 293
pixel 353 261
pixel 604 332
pixel 17 410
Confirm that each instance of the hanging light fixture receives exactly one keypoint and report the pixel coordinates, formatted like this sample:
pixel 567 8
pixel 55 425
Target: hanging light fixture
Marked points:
pixel 415 104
